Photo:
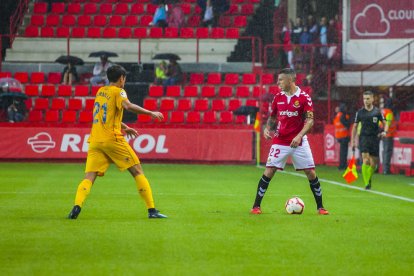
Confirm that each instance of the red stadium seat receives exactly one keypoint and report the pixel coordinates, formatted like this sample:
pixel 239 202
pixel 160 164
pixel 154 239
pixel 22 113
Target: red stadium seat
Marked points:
pixel 89 104
pixel 37 77
pixel 74 8
pixel 99 20
pixel 252 102
pixel 131 21
pixel 225 21
pixel 218 105
pixel 177 117
pixel 209 117
pixel 94 90
pixel 37 20
pixel 84 20
pixel 217 33
pixel 226 91
pixel 257 91
pixel 31 31
pixel 48 90
pixel 190 91
pixel 231 78
pixel 240 119
pixel 194 21
pixel 156 91
pixel 137 8
pixel 68 20
pixel 234 9
pixel 140 32
pixel 64 90
pixel 167 104
pixel 166 115
pixel 193 117
pixel 201 105
pixel 202 32
pixel 151 8
pixel 240 21
pixel 145 20
pixel 105 8
pixel 93 32
pixel 156 32
pixel 274 89
pixel 35 116
pixel 115 21
pixel 299 78
pixel 197 78
pixel 81 90
pixel 47 32
pixel 171 32
pixel 62 32
pixel 208 91
pixel 52 20
pixel 247 9
pixel 187 32
pixel 173 91
pixel 78 32
pixel 29 103
pixel 52 116
pixel 184 105
pixel 214 78
pixel 109 33
pixel 142 118
pixel 122 9
pixel 40 8
pixel 226 117
pixel 69 116
pixel 74 104
pixel 58 8
pixel 41 104
pixel 85 117
pixel 124 33
pixel 268 78
pixel 232 33
pixel 23 77
pixel 234 104
pixel 242 92
pixel 90 8
pixel 150 104
pixel 54 77
pixel 5 75
pixel 32 90
pixel 186 8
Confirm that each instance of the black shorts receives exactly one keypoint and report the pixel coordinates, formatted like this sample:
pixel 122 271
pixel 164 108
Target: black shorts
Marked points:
pixel 369 144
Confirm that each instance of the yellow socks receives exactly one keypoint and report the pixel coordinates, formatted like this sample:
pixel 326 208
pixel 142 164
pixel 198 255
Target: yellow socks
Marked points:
pixel 366 173
pixel 83 191
pixel 144 190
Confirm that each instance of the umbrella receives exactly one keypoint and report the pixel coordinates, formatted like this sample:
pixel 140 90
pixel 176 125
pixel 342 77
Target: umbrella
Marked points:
pixel 246 110
pixel 168 56
pixel 69 59
pixel 10 87
pixel 103 53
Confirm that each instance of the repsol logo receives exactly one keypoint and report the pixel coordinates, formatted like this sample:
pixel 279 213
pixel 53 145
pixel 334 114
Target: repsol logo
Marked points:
pixel 144 143
pixel 288 113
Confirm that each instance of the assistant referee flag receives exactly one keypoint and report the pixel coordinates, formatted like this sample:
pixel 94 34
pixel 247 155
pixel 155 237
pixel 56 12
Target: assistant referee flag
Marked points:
pixel 351 174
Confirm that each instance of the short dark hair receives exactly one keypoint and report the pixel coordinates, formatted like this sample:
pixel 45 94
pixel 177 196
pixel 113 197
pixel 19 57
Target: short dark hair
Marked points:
pixel 368 93
pixel 115 72
pixel 290 72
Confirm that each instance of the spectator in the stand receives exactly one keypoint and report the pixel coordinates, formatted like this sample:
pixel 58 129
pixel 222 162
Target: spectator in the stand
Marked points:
pixel 174 73
pixel 219 8
pixel 342 123
pixel 388 140
pixel 16 112
pixel 69 74
pixel 313 28
pixel 203 5
pixel 161 73
pixel 208 17
pixel 175 16
pixel 323 36
pixel 297 30
pixel 287 45
pixel 160 16
pixel 332 36
pixel 99 71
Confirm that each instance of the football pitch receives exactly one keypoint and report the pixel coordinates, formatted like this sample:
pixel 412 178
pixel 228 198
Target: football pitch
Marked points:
pixel 209 230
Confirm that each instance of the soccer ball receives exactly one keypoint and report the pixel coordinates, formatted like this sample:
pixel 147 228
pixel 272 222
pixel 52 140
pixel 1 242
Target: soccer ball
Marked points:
pixel 294 205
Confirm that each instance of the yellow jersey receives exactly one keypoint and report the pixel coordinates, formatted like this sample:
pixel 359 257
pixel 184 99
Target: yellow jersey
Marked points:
pixel 107 114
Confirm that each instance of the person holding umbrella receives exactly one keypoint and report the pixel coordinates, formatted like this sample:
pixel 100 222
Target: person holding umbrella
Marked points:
pixel 100 68
pixel 69 74
pixel 16 112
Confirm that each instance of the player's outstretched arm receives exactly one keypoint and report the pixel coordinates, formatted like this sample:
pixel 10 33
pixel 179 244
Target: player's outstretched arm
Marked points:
pixel 127 105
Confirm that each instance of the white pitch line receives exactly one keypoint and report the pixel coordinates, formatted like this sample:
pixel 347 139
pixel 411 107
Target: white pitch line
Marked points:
pixel 354 187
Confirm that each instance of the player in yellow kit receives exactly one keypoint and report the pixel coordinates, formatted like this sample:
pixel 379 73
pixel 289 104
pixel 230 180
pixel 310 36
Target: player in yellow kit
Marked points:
pixel 108 145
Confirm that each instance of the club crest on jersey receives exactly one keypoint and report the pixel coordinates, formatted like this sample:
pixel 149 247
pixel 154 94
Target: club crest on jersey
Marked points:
pixel 375 120
pixel 296 104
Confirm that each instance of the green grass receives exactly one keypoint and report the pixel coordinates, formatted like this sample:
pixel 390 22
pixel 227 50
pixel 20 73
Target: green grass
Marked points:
pixel 209 230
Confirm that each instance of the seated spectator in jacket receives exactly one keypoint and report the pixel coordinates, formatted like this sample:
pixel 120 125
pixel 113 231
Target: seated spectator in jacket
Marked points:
pixel 160 73
pixel 174 73
pixel 175 16
pixel 69 74
pixel 219 8
pixel 160 17
pixel 16 112
pixel 99 71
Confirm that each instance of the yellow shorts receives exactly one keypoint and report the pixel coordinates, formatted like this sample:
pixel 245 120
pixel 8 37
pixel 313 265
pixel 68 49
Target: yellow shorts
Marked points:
pixel 101 154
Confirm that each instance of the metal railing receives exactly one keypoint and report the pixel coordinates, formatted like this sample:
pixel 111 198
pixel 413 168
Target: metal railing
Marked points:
pixel 17 18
